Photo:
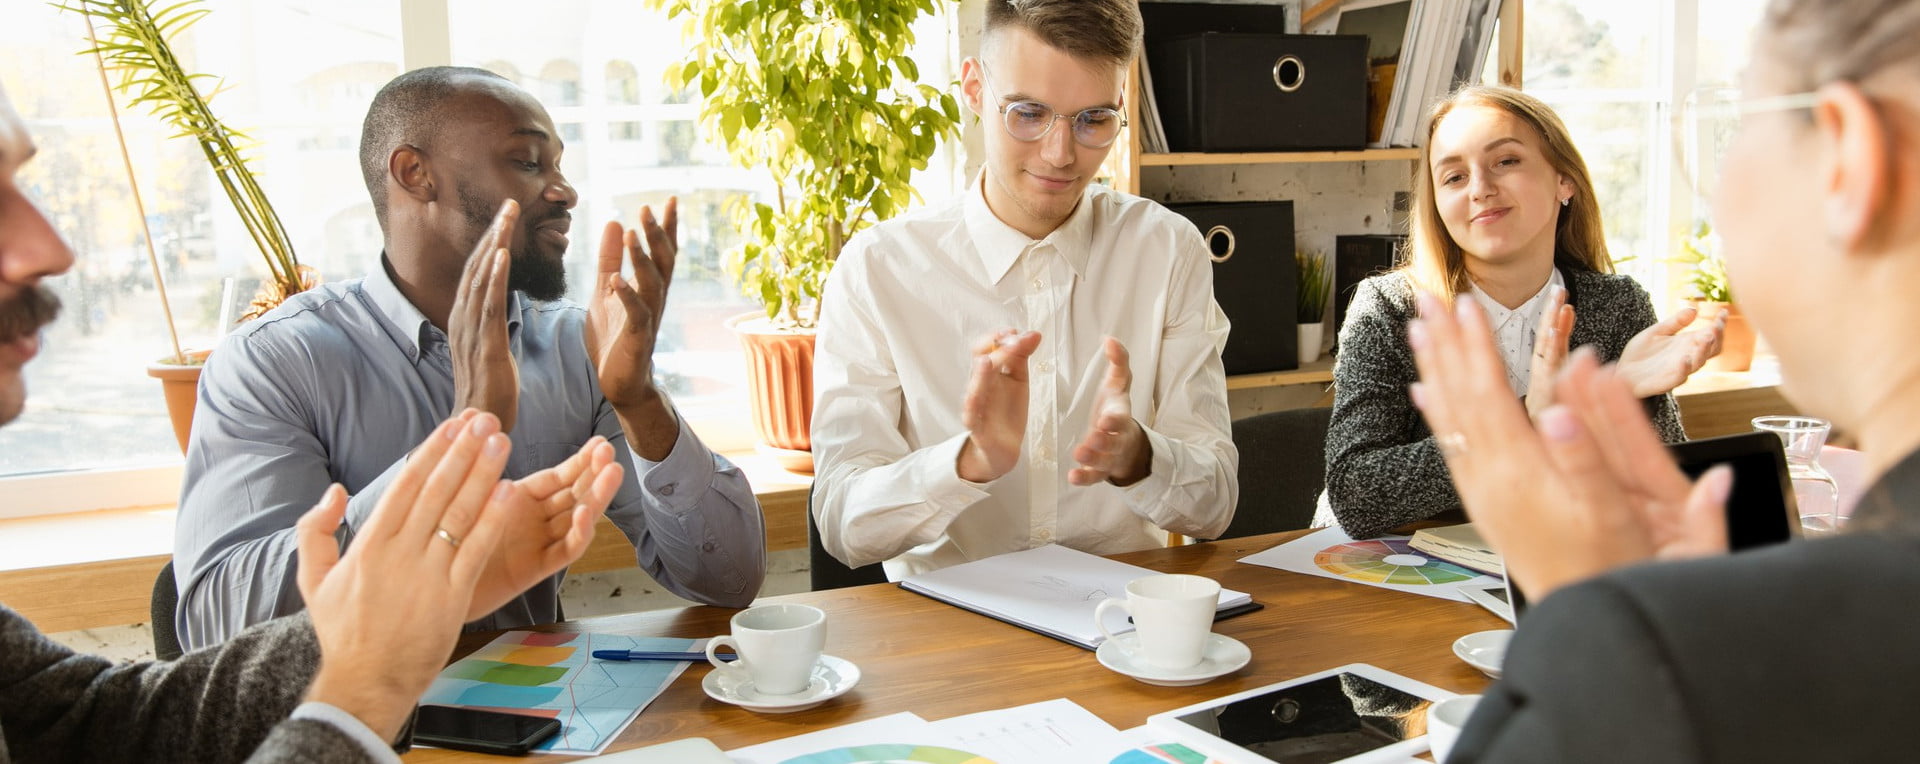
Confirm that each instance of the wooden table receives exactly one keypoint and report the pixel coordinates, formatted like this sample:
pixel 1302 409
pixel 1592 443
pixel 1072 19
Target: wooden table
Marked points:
pixel 917 654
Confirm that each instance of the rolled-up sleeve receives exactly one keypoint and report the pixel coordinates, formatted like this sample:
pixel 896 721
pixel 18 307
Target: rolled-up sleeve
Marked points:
pixel 695 524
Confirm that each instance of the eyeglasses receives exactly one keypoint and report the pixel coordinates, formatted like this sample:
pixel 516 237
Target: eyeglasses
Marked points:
pixel 1710 120
pixel 1029 121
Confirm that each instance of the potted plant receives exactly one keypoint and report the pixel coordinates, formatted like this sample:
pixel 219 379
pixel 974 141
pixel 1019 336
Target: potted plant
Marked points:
pixel 138 46
pixel 1712 296
pixel 1316 283
pixel 823 95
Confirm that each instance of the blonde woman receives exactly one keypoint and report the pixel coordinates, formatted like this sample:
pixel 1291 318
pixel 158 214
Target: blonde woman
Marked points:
pixel 1505 218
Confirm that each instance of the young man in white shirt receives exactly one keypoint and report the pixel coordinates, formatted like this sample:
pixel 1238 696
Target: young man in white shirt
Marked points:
pixel 1039 361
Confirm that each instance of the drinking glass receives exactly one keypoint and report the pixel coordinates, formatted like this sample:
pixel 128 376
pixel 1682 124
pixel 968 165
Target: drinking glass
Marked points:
pixel 1814 491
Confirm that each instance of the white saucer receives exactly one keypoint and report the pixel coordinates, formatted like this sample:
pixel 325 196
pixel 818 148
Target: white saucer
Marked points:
pixel 832 677
pixel 1484 650
pixel 1223 655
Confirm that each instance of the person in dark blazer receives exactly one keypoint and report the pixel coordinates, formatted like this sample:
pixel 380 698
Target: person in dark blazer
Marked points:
pixel 336 683
pixel 1648 643
pixel 1505 219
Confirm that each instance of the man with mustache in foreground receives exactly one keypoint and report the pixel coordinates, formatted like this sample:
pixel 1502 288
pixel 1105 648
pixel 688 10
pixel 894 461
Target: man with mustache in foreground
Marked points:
pixel 267 695
pixel 337 383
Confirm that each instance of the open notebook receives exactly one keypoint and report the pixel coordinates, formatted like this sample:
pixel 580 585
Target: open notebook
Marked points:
pixel 1051 589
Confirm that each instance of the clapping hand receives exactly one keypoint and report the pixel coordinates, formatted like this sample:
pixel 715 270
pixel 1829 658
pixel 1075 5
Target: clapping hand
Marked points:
pixel 1591 489
pixel 995 408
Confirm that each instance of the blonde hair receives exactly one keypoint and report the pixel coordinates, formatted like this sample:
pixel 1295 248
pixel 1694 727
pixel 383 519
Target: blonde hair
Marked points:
pixel 1844 41
pixel 1434 261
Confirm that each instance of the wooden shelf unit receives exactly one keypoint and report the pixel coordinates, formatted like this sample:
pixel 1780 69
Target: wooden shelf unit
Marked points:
pixel 1317 373
pixel 1276 157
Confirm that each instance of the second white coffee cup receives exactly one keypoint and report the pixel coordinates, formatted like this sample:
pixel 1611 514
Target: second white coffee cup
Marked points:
pixel 1172 614
pixel 778 646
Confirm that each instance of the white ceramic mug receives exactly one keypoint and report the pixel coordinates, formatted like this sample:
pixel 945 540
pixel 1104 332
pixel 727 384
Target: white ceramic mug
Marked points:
pixel 1172 613
pixel 1444 721
pixel 778 645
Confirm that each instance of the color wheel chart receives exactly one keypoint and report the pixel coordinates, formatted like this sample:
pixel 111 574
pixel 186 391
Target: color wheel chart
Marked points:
pixel 1388 561
pixel 554 675
pixel 1165 753
pixel 890 753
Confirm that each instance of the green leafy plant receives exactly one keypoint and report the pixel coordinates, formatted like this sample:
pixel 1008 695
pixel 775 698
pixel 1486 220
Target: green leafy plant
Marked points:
pixel 1709 275
pixel 823 95
pixel 137 45
pixel 1316 283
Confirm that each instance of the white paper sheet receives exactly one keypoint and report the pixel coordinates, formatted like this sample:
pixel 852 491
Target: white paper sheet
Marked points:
pixel 1386 562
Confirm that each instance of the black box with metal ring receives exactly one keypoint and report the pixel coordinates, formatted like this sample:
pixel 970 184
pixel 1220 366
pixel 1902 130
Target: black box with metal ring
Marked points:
pixel 1255 280
pixel 1239 92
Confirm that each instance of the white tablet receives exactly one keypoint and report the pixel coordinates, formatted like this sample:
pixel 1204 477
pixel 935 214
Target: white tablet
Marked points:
pixel 1356 714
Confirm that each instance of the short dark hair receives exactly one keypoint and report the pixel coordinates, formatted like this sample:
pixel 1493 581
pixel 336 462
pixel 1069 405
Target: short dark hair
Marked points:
pixel 1100 30
pixel 404 112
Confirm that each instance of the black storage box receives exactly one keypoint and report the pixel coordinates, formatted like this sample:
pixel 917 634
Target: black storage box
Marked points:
pixel 1231 92
pixel 1255 280
pixel 1354 259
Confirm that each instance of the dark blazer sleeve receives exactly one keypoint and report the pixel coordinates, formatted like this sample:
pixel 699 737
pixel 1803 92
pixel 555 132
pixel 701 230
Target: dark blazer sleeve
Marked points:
pixel 1383 468
pixel 214 705
pixel 1798 652
pixel 1584 680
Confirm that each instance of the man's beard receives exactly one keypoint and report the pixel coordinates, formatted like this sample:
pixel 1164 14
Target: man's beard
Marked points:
pixel 27 312
pixel 540 278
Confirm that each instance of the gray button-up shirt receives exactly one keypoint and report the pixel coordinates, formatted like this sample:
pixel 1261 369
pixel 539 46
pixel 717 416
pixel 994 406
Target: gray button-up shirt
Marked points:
pixel 341 382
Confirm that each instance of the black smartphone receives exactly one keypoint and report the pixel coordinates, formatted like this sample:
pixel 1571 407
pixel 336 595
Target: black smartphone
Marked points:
pixel 470 729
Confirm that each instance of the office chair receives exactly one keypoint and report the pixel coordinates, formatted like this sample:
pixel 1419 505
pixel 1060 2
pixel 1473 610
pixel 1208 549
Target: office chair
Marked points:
pixel 165 600
pixel 824 571
pixel 1283 467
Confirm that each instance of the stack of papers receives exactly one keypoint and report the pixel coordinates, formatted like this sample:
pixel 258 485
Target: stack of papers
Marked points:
pixel 1051 589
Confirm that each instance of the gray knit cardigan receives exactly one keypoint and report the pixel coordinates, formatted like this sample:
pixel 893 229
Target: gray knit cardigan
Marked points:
pixel 226 703
pixel 1383 469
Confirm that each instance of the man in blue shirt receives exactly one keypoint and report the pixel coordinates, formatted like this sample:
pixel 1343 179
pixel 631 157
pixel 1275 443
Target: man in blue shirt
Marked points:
pixel 336 384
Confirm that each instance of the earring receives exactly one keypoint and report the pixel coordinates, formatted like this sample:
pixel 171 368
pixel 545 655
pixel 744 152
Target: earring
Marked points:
pixel 1566 201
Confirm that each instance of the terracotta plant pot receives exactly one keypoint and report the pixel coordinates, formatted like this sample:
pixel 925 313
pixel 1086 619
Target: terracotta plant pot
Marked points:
pixel 180 383
pixel 1736 350
pixel 780 373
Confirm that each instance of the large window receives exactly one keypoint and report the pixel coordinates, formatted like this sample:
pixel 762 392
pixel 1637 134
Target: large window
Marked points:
pixel 1616 72
pixel 299 76
pixel 299 95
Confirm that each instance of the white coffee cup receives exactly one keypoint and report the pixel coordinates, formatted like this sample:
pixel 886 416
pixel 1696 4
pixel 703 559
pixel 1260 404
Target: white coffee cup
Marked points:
pixel 1172 614
pixel 778 645
pixel 1444 721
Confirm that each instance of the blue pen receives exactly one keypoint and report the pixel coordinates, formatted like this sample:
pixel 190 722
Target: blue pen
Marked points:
pixel 655 655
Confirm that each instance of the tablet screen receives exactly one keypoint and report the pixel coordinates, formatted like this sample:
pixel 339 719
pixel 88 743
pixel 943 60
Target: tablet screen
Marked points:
pixel 1324 720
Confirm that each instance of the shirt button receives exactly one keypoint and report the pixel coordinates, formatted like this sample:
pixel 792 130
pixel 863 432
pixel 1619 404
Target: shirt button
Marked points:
pixel 1039 284
pixel 666 490
pixel 1043 367
pixel 1045 536
pixel 707 547
pixel 1044 453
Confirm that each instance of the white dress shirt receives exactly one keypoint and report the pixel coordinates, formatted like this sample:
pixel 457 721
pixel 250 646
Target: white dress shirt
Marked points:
pixel 1514 330
pixel 901 311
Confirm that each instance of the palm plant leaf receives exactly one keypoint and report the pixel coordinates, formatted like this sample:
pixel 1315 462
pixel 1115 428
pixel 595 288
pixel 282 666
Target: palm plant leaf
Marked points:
pixel 137 45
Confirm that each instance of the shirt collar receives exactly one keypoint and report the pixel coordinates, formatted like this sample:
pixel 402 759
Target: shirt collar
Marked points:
pixel 1498 314
pixel 414 328
pixel 999 245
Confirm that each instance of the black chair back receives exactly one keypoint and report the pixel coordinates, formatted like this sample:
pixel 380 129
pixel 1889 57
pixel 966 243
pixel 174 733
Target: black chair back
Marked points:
pixel 161 607
pixel 825 571
pixel 1283 467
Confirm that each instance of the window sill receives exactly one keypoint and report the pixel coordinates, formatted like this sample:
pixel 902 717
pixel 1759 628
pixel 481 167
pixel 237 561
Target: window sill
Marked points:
pixel 113 555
